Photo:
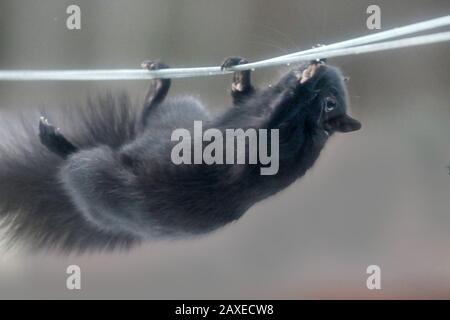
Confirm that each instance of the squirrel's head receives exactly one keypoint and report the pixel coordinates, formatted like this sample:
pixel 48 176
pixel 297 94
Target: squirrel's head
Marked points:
pixel 329 102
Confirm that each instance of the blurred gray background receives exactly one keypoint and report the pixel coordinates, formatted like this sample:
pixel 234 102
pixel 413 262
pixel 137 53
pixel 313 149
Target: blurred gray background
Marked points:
pixel 379 196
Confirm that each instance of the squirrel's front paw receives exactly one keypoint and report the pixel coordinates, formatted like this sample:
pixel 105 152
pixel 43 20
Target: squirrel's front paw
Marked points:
pixel 308 73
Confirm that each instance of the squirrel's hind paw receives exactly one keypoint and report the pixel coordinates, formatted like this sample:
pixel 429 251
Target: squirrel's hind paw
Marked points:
pixel 51 137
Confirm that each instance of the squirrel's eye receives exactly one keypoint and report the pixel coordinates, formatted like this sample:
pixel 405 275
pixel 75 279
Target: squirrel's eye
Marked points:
pixel 331 103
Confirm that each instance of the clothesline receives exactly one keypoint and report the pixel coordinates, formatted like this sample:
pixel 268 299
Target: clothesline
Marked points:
pixel 359 45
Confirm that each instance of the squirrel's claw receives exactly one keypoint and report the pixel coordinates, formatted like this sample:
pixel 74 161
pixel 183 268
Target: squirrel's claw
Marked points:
pixel 45 127
pixel 319 61
pixel 232 61
pixel 153 65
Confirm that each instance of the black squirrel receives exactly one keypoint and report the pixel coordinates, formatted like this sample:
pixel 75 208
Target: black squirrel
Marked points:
pixel 106 179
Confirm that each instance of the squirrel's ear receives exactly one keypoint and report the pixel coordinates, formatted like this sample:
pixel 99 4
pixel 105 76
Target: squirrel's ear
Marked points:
pixel 346 123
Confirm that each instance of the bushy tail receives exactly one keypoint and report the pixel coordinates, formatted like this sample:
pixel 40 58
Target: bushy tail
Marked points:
pixel 34 209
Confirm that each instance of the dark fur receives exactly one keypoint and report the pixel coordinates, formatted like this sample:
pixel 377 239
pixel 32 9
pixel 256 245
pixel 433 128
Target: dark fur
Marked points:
pixel 106 180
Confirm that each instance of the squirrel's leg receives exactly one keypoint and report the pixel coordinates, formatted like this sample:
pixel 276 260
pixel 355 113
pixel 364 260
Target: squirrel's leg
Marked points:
pixel 106 193
pixel 52 138
pixel 157 91
pixel 241 88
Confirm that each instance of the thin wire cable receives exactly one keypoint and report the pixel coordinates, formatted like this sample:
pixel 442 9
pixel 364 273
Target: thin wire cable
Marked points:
pixel 384 35
pixel 348 47
pixel 382 46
